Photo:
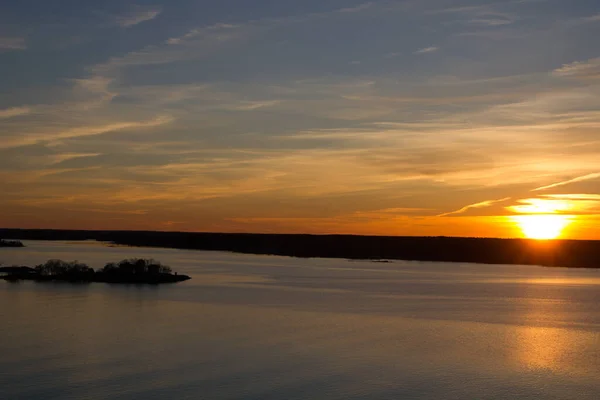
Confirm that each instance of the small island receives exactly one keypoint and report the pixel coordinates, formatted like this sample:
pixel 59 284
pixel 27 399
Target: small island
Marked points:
pixel 136 271
pixel 10 243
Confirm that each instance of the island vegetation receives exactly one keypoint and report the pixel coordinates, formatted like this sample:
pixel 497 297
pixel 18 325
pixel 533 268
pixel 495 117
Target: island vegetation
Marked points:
pixel 11 243
pixel 127 271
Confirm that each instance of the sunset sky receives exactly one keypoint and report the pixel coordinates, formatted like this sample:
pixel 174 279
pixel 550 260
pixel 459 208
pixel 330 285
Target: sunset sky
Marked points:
pixel 421 117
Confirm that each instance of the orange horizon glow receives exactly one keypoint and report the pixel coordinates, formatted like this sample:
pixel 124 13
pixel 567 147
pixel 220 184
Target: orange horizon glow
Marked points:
pixel 542 226
pixel 556 216
pixel 544 219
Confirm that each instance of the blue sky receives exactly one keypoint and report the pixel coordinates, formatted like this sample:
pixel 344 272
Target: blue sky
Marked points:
pixel 391 117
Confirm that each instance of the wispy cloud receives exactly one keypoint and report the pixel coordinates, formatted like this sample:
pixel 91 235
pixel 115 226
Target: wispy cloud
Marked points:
pixel 223 31
pixel 254 105
pixel 580 69
pixel 14 112
pixel 219 31
pixel 483 15
pixel 12 43
pixel 481 204
pixel 82 131
pixel 490 21
pixel 358 8
pixel 541 206
pixel 575 196
pixel 592 18
pixel 587 177
pixel 138 15
pixel 92 92
pixel 194 44
pixel 426 50
pixel 461 9
pixel 96 130
pixel 558 204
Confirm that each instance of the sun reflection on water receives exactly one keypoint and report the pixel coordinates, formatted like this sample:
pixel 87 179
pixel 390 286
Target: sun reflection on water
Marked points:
pixel 542 348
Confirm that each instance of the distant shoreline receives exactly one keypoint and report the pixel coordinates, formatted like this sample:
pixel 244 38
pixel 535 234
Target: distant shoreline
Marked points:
pixel 555 253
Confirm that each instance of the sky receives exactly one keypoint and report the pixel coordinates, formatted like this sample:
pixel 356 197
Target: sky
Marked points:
pixel 419 117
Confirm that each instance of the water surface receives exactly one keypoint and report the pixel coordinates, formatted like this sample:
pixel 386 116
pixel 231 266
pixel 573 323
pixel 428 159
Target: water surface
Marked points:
pixel 264 327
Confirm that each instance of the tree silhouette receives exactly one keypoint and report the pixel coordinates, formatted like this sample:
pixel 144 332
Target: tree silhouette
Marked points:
pixel 136 266
pixel 136 270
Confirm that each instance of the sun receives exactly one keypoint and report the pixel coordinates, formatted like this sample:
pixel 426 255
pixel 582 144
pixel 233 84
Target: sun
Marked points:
pixel 542 226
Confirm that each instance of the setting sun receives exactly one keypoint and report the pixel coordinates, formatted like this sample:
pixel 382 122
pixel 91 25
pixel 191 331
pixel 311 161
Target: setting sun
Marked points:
pixel 542 226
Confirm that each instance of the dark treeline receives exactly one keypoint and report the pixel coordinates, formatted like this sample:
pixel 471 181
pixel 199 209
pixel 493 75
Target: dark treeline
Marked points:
pixel 564 253
pixel 126 271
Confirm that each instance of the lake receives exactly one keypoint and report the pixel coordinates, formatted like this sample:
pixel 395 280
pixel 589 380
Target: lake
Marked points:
pixel 266 327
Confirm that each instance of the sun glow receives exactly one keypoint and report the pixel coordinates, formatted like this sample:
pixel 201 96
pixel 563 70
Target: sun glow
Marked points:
pixel 542 226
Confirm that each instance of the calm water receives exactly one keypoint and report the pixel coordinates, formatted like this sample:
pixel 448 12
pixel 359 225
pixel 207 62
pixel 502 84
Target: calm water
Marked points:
pixel 262 327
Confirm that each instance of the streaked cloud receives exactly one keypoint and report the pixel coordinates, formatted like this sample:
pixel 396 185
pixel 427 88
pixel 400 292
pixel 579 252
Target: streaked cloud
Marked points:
pixel 81 131
pixel 14 112
pixel 481 204
pixel 491 21
pixel 360 7
pixel 137 15
pixel 580 69
pixel 592 18
pixel 582 178
pixel 426 50
pixel 575 196
pixel 558 204
pixel 254 105
pixel 219 31
pixel 483 16
pixel 92 92
pixel 96 130
pixel 541 206
pixel 195 44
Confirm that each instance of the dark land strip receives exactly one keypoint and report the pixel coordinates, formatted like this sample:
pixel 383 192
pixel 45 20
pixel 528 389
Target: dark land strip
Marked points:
pixel 556 253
